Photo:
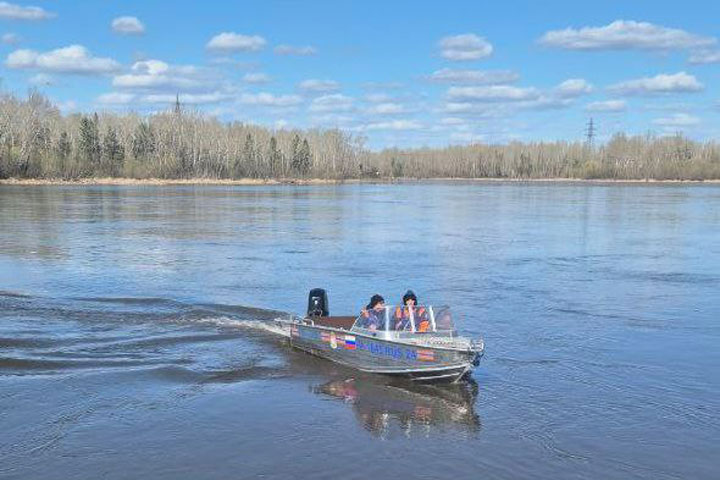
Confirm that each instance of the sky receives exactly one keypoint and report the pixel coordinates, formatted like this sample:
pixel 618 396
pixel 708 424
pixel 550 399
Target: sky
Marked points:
pixel 394 73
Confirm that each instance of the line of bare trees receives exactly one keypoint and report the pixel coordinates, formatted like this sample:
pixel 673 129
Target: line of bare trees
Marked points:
pixel 621 158
pixel 36 141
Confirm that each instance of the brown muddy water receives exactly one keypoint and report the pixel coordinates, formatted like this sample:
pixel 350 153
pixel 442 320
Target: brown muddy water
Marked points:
pixel 134 339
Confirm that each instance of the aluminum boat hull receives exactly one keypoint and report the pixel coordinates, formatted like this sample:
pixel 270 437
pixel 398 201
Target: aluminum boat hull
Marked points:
pixel 370 353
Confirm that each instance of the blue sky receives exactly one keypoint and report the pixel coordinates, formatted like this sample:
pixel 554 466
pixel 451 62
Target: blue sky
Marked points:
pixel 399 73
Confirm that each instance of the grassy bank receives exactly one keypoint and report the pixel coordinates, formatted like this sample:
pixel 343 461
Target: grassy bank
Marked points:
pixel 323 181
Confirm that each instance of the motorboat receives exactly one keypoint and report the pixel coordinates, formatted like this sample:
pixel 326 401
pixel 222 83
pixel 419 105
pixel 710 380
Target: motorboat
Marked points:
pixel 420 343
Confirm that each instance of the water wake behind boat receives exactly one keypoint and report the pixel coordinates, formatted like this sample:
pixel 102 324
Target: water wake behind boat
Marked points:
pixel 50 336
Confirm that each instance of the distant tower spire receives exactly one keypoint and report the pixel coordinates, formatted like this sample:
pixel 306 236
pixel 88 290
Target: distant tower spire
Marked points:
pixel 590 133
pixel 177 103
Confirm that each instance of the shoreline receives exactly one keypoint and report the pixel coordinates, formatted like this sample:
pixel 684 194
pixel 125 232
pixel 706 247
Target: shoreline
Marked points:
pixel 323 181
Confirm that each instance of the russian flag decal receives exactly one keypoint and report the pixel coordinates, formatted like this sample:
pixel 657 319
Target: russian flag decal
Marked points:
pixel 426 355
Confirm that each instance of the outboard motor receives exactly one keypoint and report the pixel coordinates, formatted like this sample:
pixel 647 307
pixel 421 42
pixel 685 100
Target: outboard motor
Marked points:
pixel 317 303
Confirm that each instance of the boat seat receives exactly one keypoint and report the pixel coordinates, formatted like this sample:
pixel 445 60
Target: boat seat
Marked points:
pixel 335 322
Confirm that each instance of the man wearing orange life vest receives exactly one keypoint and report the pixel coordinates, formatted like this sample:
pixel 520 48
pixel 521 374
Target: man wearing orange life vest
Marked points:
pixel 409 311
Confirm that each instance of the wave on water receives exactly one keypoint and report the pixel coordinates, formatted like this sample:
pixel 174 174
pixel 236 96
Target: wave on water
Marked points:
pixel 5 293
pixel 257 325
pixel 41 335
pixel 130 300
pixel 149 309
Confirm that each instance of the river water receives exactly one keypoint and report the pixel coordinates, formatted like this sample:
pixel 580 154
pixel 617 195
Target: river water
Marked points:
pixel 134 339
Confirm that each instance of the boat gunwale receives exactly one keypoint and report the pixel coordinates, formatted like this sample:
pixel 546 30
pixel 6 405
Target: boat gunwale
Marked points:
pixel 416 370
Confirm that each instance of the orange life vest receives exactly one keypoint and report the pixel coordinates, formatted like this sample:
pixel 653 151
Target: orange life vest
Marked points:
pixel 422 325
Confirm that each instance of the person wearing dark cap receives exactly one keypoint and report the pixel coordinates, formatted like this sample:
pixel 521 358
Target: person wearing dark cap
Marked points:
pixel 375 301
pixel 374 313
pixel 410 314
pixel 409 295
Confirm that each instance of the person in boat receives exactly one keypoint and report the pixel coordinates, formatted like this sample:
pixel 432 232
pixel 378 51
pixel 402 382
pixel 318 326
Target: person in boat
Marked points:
pixel 410 311
pixel 405 312
pixel 374 313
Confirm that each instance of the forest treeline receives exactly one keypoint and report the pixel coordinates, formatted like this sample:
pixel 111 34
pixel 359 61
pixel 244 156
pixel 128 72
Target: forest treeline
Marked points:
pixel 37 141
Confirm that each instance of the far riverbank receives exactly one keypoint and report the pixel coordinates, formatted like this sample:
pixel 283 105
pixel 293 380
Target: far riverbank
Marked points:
pixel 323 181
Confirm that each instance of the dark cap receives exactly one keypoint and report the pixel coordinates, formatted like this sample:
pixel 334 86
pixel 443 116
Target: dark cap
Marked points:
pixel 374 300
pixel 409 295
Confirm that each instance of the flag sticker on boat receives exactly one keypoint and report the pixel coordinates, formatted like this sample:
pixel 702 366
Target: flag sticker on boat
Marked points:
pixel 426 355
pixel 339 341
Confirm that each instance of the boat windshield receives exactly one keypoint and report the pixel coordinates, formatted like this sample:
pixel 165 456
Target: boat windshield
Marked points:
pixel 420 319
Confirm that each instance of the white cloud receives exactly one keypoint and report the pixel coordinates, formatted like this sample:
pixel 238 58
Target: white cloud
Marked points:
pixel 477 77
pixel 465 137
pixel 73 59
pixel 319 86
pixel 378 97
pixel 235 42
pixel 186 98
pixel 464 47
pixel 151 67
pixel 387 108
pixel 18 12
pixel 393 125
pixel 332 119
pixel 382 85
pixel 666 106
pixel 67 106
pixel 22 59
pixel 128 26
pixel 303 51
pixel 482 110
pixel 407 98
pixel 677 120
pixel 705 56
pixel 495 102
pixel 158 75
pixel 453 121
pixel 545 103
pixel 607 106
pixel 124 98
pixel 116 98
pixel 496 93
pixel 10 39
pixel 229 61
pixel 256 78
pixel 332 103
pixel 680 82
pixel 625 35
pixel 573 87
pixel 41 80
pixel 265 99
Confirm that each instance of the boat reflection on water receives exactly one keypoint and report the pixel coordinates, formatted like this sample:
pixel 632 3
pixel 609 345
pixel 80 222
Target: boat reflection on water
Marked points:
pixel 387 407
